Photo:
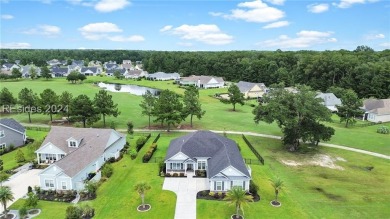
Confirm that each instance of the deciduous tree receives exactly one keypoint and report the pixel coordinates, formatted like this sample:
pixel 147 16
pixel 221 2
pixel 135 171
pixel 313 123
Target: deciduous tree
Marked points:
pixel 235 96
pixel 45 73
pixel 105 105
pixel 350 107
pixel 147 104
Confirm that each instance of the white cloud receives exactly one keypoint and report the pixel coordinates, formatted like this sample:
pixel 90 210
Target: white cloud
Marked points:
pixel 256 11
pixel 134 38
pixel 98 31
pixel 318 8
pixel 166 28
pixel 304 39
pixel 385 45
pixel 276 24
pixel 15 45
pixel 276 2
pixel 7 17
pixel 111 5
pixel 349 3
pixel 45 30
pixel 375 36
pixel 205 33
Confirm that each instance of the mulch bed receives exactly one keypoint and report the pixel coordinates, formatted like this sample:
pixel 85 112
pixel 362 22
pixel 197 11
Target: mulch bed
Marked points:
pixel 205 195
pixel 141 208
pixel 9 216
pixel 275 203
pixel 234 217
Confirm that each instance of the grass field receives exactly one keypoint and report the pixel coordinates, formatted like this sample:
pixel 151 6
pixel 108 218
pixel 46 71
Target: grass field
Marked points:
pixel 218 116
pixel 310 191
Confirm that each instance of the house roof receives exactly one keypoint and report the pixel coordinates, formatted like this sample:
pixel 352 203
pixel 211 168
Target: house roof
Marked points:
pixel 111 71
pixel 93 143
pixel 26 69
pixel 134 72
pixel 222 151
pixel 127 66
pixel 9 65
pixel 377 106
pixel 203 79
pixel 57 70
pixel 109 65
pixel 329 99
pixel 13 124
pixel 163 75
pixel 247 86
pixel 77 62
pixel 92 69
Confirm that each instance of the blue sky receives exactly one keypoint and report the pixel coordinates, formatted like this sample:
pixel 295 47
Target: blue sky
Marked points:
pixel 195 25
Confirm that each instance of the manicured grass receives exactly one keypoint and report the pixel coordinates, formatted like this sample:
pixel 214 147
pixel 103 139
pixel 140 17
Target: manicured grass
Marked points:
pixel 48 209
pixel 313 191
pixel 9 160
pixel 218 116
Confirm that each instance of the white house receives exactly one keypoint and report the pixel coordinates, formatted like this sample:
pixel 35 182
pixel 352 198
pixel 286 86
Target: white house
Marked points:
pixel 330 101
pixel 135 74
pixel 376 110
pixel 91 71
pixel 162 76
pixel 203 81
pixel 252 90
pixel 73 153
pixel 210 152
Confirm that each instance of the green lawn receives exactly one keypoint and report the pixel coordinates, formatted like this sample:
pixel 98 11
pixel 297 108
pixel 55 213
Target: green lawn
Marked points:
pixel 310 191
pixel 313 191
pixel 9 160
pixel 218 115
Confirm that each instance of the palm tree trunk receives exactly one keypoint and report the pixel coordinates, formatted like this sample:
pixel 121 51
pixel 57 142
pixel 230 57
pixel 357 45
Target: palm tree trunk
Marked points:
pixel 237 209
pixel 143 200
pixel 276 195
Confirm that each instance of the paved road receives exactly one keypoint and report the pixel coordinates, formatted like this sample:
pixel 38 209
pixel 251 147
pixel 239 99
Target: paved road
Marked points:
pixel 255 134
pixel 186 190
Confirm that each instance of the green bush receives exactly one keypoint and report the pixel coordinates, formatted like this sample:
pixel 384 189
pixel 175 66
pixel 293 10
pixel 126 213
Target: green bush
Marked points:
pixel 140 142
pixel 23 211
pixel 383 130
pixel 253 188
pixel 73 212
pixel 107 170
pixel 133 154
pixel 149 153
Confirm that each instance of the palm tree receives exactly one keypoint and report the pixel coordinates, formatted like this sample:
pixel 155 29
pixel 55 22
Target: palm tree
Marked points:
pixel 277 184
pixel 141 188
pixel 238 197
pixel 6 195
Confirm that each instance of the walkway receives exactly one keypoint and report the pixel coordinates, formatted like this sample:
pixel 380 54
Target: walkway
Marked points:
pixel 186 190
pixel 253 134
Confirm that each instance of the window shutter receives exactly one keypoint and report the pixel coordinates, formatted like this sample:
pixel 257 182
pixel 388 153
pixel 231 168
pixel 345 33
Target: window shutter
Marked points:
pixel 244 185
pixel 215 185
pixel 231 184
pixel 223 185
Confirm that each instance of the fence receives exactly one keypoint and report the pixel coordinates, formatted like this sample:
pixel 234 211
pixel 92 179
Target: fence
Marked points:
pixel 156 160
pixel 259 157
pixel 156 139
pixel 46 129
pixel 252 161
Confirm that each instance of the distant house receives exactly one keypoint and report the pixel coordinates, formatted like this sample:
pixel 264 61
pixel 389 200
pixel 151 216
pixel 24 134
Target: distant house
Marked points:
pixel 9 66
pixel 162 76
pixel 330 101
pixel 135 74
pixel 252 90
pixel 54 62
pixel 74 68
pixel 109 66
pixel 11 133
pixel 59 72
pixel 26 70
pixel 112 71
pixel 126 62
pixel 203 81
pixel 74 153
pixel 90 71
pixel 376 110
pixel 206 151
pixel 78 62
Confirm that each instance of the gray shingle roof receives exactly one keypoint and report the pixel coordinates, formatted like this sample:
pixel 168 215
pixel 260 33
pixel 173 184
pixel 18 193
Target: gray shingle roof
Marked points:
pixel 163 75
pixel 203 79
pixel 112 71
pixel 246 86
pixel 92 69
pixel 377 106
pixel 223 151
pixel 93 144
pixel 12 123
pixel 57 70
pixel 329 99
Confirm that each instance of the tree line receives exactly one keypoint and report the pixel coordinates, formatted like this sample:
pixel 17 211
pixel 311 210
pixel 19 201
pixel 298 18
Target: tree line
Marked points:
pixel 76 109
pixel 364 70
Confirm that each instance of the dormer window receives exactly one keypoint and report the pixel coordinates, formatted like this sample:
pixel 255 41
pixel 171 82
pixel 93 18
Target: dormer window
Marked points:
pixel 73 144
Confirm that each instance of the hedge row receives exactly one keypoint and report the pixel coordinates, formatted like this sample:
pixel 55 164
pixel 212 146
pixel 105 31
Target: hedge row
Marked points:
pixel 149 153
pixel 141 142
pixel 156 139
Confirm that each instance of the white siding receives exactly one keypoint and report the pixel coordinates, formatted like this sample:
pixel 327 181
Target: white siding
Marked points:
pixel 49 148
pixel 82 175
pixel 114 149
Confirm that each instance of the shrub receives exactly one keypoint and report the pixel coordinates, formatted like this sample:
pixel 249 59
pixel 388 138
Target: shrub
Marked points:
pixel 130 127
pixel 168 175
pixel 181 174
pixel 23 211
pixel 37 189
pixel 107 170
pixel 383 130
pixel 253 188
pixel 149 153
pixel 133 154
pixel 87 211
pixel 175 175
pixel 204 193
pixel 19 156
pixel 73 212
pixel 32 200
pixel 220 195
pixel 140 142
pixel 212 194
pixel 111 160
pixel 161 167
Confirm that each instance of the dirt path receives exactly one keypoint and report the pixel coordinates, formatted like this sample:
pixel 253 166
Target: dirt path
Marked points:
pixel 252 134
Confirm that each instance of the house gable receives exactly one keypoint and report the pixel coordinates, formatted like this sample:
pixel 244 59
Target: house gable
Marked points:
pixel 255 88
pixel 231 171
pixel 49 148
pixel 178 157
pixel 53 170
pixel 212 81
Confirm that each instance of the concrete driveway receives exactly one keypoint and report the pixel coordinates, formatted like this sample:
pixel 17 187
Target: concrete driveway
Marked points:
pixel 186 190
pixel 20 181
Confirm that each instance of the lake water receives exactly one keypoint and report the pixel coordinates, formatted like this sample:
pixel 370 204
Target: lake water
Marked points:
pixel 128 88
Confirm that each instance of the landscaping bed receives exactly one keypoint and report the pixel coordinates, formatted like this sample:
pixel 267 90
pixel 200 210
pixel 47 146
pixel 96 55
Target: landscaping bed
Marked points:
pixel 219 196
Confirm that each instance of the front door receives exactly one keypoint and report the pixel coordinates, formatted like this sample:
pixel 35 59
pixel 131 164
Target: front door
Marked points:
pixel 190 166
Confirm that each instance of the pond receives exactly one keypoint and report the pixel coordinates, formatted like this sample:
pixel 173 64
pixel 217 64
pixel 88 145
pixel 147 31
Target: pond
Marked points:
pixel 128 88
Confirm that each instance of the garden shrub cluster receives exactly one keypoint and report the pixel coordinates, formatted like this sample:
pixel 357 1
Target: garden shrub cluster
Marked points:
pixel 141 142
pixel 82 212
pixel 200 173
pixel 149 153
pixel 107 170
pixel 174 175
pixel 383 130
pixel 53 195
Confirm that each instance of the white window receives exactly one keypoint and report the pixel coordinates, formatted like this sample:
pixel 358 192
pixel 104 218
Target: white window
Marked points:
pixel 176 166
pixel 201 165
pixel 50 157
pixel 236 183
pixel 2 133
pixel 49 183
pixel 63 185
pixel 72 144
pixel 2 146
pixel 218 186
